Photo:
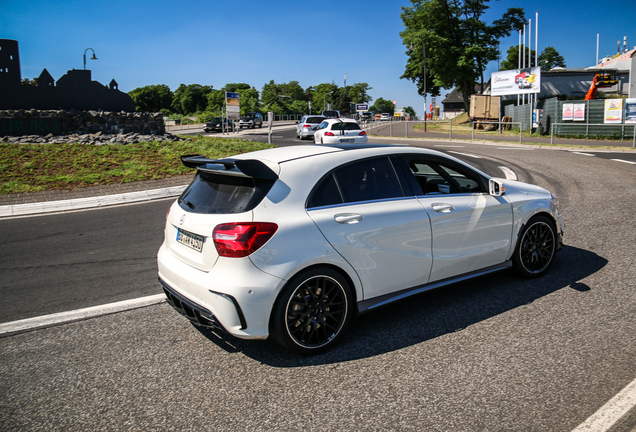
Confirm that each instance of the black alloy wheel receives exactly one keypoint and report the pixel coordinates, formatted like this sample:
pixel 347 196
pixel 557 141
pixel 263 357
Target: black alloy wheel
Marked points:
pixel 312 311
pixel 536 247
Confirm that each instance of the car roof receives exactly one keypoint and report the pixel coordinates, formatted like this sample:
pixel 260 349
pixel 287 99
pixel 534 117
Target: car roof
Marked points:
pixel 288 153
pixel 340 120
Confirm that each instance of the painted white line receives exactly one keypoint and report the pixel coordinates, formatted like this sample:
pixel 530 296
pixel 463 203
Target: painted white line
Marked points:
pixel 510 174
pixel 624 161
pixel 603 419
pixel 79 314
pixel 582 154
pixel 514 148
pixel 90 202
pixel 466 154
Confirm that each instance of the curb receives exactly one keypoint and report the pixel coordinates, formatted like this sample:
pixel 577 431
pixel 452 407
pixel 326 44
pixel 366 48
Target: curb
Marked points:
pixel 90 202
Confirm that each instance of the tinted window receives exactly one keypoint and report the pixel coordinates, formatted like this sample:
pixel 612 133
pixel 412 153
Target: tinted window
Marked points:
pixel 325 193
pixel 369 179
pixel 314 120
pixel 323 125
pixel 214 193
pixel 345 126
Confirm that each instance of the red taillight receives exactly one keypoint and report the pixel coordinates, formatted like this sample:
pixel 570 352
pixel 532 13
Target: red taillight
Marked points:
pixel 362 133
pixel 329 134
pixel 307 126
pixel 236 240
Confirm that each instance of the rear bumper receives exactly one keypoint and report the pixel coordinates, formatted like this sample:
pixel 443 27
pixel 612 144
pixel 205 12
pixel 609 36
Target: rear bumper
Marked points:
pixel 235 297
pixel 189 309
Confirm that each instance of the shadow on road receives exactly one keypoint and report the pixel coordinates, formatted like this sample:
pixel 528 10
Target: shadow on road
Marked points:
pixel 430 315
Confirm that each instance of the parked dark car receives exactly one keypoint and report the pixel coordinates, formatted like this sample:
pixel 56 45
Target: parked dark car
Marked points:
pixel 219 124
pixel 331 113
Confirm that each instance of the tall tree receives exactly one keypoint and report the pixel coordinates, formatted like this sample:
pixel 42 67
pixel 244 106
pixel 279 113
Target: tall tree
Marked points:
pixel 152 98
pixel 459 44
pixel 550 58
pixel 512 60
pixel 190 99
pixel 382 106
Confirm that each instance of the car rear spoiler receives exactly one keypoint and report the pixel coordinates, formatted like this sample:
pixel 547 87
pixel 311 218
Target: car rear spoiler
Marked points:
pixel 235 167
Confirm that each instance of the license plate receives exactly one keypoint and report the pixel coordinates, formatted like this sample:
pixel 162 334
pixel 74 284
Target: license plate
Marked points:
pixel 346 141
pixel 189 239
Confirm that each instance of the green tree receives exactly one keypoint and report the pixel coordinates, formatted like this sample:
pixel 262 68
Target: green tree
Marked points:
pixel 411 112
pixel 459 43
pixel 152 98
pixel 190 99
pixel 512 61
pixel 550 58
pixel 323 95
pixel 382 106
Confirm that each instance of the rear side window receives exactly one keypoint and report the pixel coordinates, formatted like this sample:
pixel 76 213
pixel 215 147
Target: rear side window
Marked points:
pixel 222 194
pixel 366 180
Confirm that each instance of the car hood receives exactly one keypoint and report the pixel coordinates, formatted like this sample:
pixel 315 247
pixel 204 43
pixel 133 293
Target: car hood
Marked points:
pixel 522 191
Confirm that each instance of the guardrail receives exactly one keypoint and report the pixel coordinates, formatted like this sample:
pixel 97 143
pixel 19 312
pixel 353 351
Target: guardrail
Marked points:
pixel 587 125
pixel 498 123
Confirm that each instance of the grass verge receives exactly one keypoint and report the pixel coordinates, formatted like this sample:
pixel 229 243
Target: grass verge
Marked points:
pixel 42 167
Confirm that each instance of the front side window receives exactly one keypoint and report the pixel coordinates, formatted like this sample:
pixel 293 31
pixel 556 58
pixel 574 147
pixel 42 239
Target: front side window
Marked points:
pixel 436 177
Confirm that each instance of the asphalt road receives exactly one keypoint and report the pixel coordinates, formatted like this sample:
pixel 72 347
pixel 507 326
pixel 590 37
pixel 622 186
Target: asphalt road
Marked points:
pixel 495 354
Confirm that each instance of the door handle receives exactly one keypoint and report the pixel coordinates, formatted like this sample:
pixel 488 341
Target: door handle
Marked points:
pixel 348 218
pixel 442 208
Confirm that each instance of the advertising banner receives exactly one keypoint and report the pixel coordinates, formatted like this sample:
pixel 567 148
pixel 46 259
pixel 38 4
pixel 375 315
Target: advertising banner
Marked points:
pixel 519 81
pixel 630 111
pixel 579 112
pixel 613 111
pixel 568 111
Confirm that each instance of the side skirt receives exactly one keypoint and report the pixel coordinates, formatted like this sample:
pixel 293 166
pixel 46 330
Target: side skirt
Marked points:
pixel 373 303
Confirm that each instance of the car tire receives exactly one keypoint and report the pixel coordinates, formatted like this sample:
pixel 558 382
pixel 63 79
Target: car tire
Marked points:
pixel 535 248
pixel 312 312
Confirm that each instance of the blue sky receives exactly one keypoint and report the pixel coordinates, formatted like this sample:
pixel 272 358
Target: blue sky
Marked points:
pixel 140 43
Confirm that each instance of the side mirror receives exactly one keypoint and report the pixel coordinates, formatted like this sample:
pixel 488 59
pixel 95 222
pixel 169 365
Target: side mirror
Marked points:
pixel 496 188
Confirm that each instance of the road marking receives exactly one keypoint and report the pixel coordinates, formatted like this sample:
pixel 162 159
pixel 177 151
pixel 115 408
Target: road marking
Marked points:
pixel 79 314
pixel 624 161
pixel 510 174
pixel 514 148
pixel 583 154
pixel 466 154
pixel 449 146
pixel 603 419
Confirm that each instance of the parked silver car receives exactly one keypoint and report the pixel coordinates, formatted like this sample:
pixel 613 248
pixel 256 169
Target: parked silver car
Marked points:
pixel 251 120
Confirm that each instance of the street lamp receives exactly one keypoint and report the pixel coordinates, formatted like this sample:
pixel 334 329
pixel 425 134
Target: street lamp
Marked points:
pixel 412 47
pixel 92 58
pixel 324 99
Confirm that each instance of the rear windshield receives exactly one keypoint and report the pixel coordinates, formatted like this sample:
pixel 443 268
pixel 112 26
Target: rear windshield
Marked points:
pixel 345 126
pixel 222 194
pixel 330 113
pixel 314 120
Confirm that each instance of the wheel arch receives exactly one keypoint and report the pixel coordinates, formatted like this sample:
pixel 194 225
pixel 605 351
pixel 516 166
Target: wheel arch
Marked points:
pixel 340 270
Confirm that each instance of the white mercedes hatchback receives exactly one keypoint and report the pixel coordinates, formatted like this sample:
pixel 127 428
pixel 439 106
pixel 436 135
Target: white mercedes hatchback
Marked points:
pixel 293 242
pixel 339 131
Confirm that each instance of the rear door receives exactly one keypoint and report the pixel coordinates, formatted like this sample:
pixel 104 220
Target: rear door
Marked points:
pixel 363 212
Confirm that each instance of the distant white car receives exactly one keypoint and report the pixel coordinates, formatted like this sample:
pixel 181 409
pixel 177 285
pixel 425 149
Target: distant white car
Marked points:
pixel 386 117
pixel 340 131
pixel 293 242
